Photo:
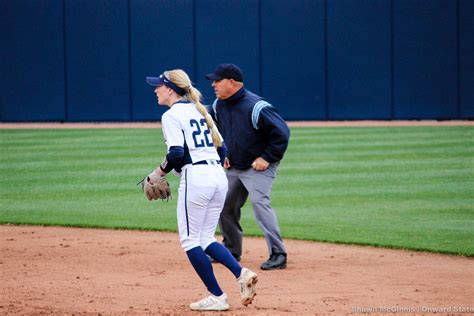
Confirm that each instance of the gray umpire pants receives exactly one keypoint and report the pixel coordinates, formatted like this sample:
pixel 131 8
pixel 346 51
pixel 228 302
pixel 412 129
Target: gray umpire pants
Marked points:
pixel 257 185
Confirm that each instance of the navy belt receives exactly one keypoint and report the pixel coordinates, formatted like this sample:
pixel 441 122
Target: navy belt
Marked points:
pixel 207 162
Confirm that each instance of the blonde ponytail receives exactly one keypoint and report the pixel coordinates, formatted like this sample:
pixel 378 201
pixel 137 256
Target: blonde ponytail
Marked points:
pixel 181 79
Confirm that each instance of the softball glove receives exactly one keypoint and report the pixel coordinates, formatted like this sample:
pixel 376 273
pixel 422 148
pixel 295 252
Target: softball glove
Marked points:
pixel 156 187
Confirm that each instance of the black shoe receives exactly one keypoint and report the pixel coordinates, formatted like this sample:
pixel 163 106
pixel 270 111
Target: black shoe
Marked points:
pixel 212 260
pixel 276 261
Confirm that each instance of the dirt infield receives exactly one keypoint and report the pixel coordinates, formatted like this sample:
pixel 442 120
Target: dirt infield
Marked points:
pixel 71 270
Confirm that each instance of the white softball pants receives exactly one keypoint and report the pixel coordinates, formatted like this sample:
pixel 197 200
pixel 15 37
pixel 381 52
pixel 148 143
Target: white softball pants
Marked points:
pixel 201 196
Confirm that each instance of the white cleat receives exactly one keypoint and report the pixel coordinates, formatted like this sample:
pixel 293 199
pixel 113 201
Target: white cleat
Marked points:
pixel 211 303
pixel 247 281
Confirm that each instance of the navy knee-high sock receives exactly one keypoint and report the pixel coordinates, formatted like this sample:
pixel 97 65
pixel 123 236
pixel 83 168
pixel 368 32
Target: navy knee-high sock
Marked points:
pixel 223 255
pixel 203 267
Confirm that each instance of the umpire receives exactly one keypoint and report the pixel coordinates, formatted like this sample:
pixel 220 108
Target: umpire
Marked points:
pixel 256 138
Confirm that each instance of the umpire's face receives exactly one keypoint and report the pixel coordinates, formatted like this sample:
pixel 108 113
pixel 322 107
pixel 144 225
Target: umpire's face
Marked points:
pixel 223 88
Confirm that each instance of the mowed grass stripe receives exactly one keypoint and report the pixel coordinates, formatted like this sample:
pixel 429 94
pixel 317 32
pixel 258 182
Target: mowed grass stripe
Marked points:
pixel 331 189
pixel 303 164
pixel 311 140
pixel 314 137
pixel 385 132
pixel 401 187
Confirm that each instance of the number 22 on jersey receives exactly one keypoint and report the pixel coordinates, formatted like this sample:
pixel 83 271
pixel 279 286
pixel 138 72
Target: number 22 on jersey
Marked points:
pixel 201 133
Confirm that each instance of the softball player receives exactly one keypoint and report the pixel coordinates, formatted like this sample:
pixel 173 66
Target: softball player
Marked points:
pixel 192 139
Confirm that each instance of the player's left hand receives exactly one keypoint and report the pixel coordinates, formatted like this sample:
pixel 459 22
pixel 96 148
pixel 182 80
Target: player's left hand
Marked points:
pixel 156 187
pixel 260 164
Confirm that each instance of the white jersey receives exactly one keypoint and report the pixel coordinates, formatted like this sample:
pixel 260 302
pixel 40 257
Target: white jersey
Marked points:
pixel 203 183
pixel 184 126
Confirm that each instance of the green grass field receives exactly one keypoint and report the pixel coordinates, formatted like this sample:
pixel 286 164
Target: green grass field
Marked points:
pixel 399 187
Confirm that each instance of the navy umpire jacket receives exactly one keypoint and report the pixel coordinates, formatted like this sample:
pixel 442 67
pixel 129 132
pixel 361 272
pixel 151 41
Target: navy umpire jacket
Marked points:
pixel 251 128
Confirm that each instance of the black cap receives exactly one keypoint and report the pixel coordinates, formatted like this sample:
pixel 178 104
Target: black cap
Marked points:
pixel 226 71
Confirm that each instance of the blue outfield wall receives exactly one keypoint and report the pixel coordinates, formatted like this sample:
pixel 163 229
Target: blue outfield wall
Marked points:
pixel 292 57
pixel 161 38
pixel 69 60
pixel 32 61
pixel 425 78
pixel 226 31
pixel 466 58
pixel 97 58
pixel 359 56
